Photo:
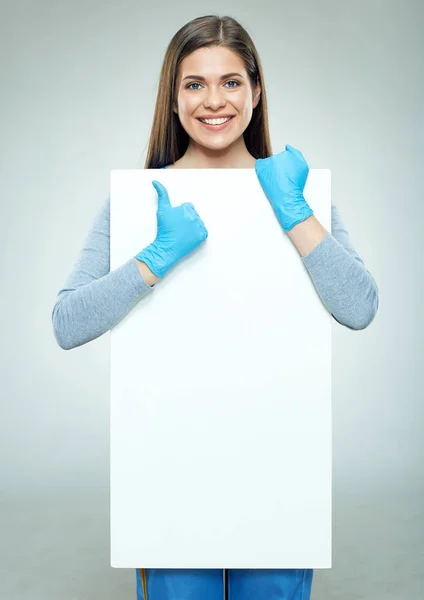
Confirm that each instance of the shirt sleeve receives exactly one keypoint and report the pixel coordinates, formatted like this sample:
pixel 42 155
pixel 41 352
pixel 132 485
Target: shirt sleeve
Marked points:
pixel 345 286
pixel 93 299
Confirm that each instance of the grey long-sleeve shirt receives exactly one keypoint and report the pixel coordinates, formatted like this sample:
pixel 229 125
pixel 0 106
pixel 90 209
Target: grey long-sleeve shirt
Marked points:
pixel 94 299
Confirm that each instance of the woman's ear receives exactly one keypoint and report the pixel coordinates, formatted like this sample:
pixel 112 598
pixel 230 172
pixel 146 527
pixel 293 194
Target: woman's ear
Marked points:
pixel 256 95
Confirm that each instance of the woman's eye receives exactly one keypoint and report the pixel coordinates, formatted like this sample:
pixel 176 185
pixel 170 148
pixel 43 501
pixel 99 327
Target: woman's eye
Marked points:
pixel 196 83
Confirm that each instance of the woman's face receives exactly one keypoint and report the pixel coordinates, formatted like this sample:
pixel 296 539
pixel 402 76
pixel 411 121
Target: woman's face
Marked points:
pixel 212 83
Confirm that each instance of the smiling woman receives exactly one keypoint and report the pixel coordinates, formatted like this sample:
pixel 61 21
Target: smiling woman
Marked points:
pixel 211 112
pixel 211 107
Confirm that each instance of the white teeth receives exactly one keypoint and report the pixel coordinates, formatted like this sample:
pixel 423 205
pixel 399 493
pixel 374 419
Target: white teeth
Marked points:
pixel 215 121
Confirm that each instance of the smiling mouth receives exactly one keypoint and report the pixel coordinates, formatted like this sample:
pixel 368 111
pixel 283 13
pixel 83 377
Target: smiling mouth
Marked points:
pixel 215 119
pixel 215 125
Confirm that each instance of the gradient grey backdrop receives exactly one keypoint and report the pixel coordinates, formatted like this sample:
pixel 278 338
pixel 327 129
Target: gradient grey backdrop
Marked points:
pixel 78 84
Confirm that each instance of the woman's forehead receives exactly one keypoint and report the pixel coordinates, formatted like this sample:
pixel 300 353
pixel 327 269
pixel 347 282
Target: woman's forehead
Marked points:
pixel 212 62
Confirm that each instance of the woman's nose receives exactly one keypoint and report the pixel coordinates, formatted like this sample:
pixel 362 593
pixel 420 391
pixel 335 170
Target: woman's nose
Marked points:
pixel 214 99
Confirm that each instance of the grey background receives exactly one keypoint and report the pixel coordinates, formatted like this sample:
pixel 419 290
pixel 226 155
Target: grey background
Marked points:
pixel 78 84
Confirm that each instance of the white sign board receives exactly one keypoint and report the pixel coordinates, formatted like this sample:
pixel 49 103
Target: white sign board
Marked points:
pixel 220 385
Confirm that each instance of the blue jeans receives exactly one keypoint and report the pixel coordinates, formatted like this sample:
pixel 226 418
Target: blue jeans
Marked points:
pixel 207 584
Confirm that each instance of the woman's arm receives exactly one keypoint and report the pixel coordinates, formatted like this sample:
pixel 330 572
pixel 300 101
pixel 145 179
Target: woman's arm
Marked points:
pixel 146 273
pixel 344 285
pixel 93 299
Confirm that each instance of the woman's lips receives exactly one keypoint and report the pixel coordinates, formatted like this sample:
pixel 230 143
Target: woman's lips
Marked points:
pixel 216 127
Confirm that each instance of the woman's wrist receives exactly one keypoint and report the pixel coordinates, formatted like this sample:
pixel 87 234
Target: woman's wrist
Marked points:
pixel 149 277
pixel 307 234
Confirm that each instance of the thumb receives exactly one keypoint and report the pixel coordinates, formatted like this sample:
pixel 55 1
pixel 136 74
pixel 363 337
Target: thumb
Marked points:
pixel 163 198
pixel 294 151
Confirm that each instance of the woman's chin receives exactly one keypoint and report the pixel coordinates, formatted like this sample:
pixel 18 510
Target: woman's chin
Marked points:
pixel 218 143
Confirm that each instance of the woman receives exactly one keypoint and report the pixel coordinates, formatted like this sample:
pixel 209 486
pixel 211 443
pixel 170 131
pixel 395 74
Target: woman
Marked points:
pixel 211 70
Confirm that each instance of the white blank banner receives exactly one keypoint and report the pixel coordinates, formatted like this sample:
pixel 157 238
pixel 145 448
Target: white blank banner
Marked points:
pixel 220 385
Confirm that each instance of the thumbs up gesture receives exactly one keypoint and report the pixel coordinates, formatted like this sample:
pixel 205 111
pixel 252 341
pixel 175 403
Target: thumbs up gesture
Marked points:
pixel 283 177
pixel 180 230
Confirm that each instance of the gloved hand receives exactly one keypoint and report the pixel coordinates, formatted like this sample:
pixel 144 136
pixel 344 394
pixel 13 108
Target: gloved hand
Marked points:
pixel 283 177
pixel 179 231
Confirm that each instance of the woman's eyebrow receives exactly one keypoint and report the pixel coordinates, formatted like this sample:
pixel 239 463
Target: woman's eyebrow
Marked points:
pixel 203 78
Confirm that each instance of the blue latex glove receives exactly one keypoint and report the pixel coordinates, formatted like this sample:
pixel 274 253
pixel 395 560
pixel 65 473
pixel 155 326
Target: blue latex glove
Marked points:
pixel 180 230
pixel 283 177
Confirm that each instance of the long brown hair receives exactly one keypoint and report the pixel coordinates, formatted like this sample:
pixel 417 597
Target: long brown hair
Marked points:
pixel 168 139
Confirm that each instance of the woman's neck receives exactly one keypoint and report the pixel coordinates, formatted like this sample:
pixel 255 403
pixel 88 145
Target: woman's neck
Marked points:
pixel 198 157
